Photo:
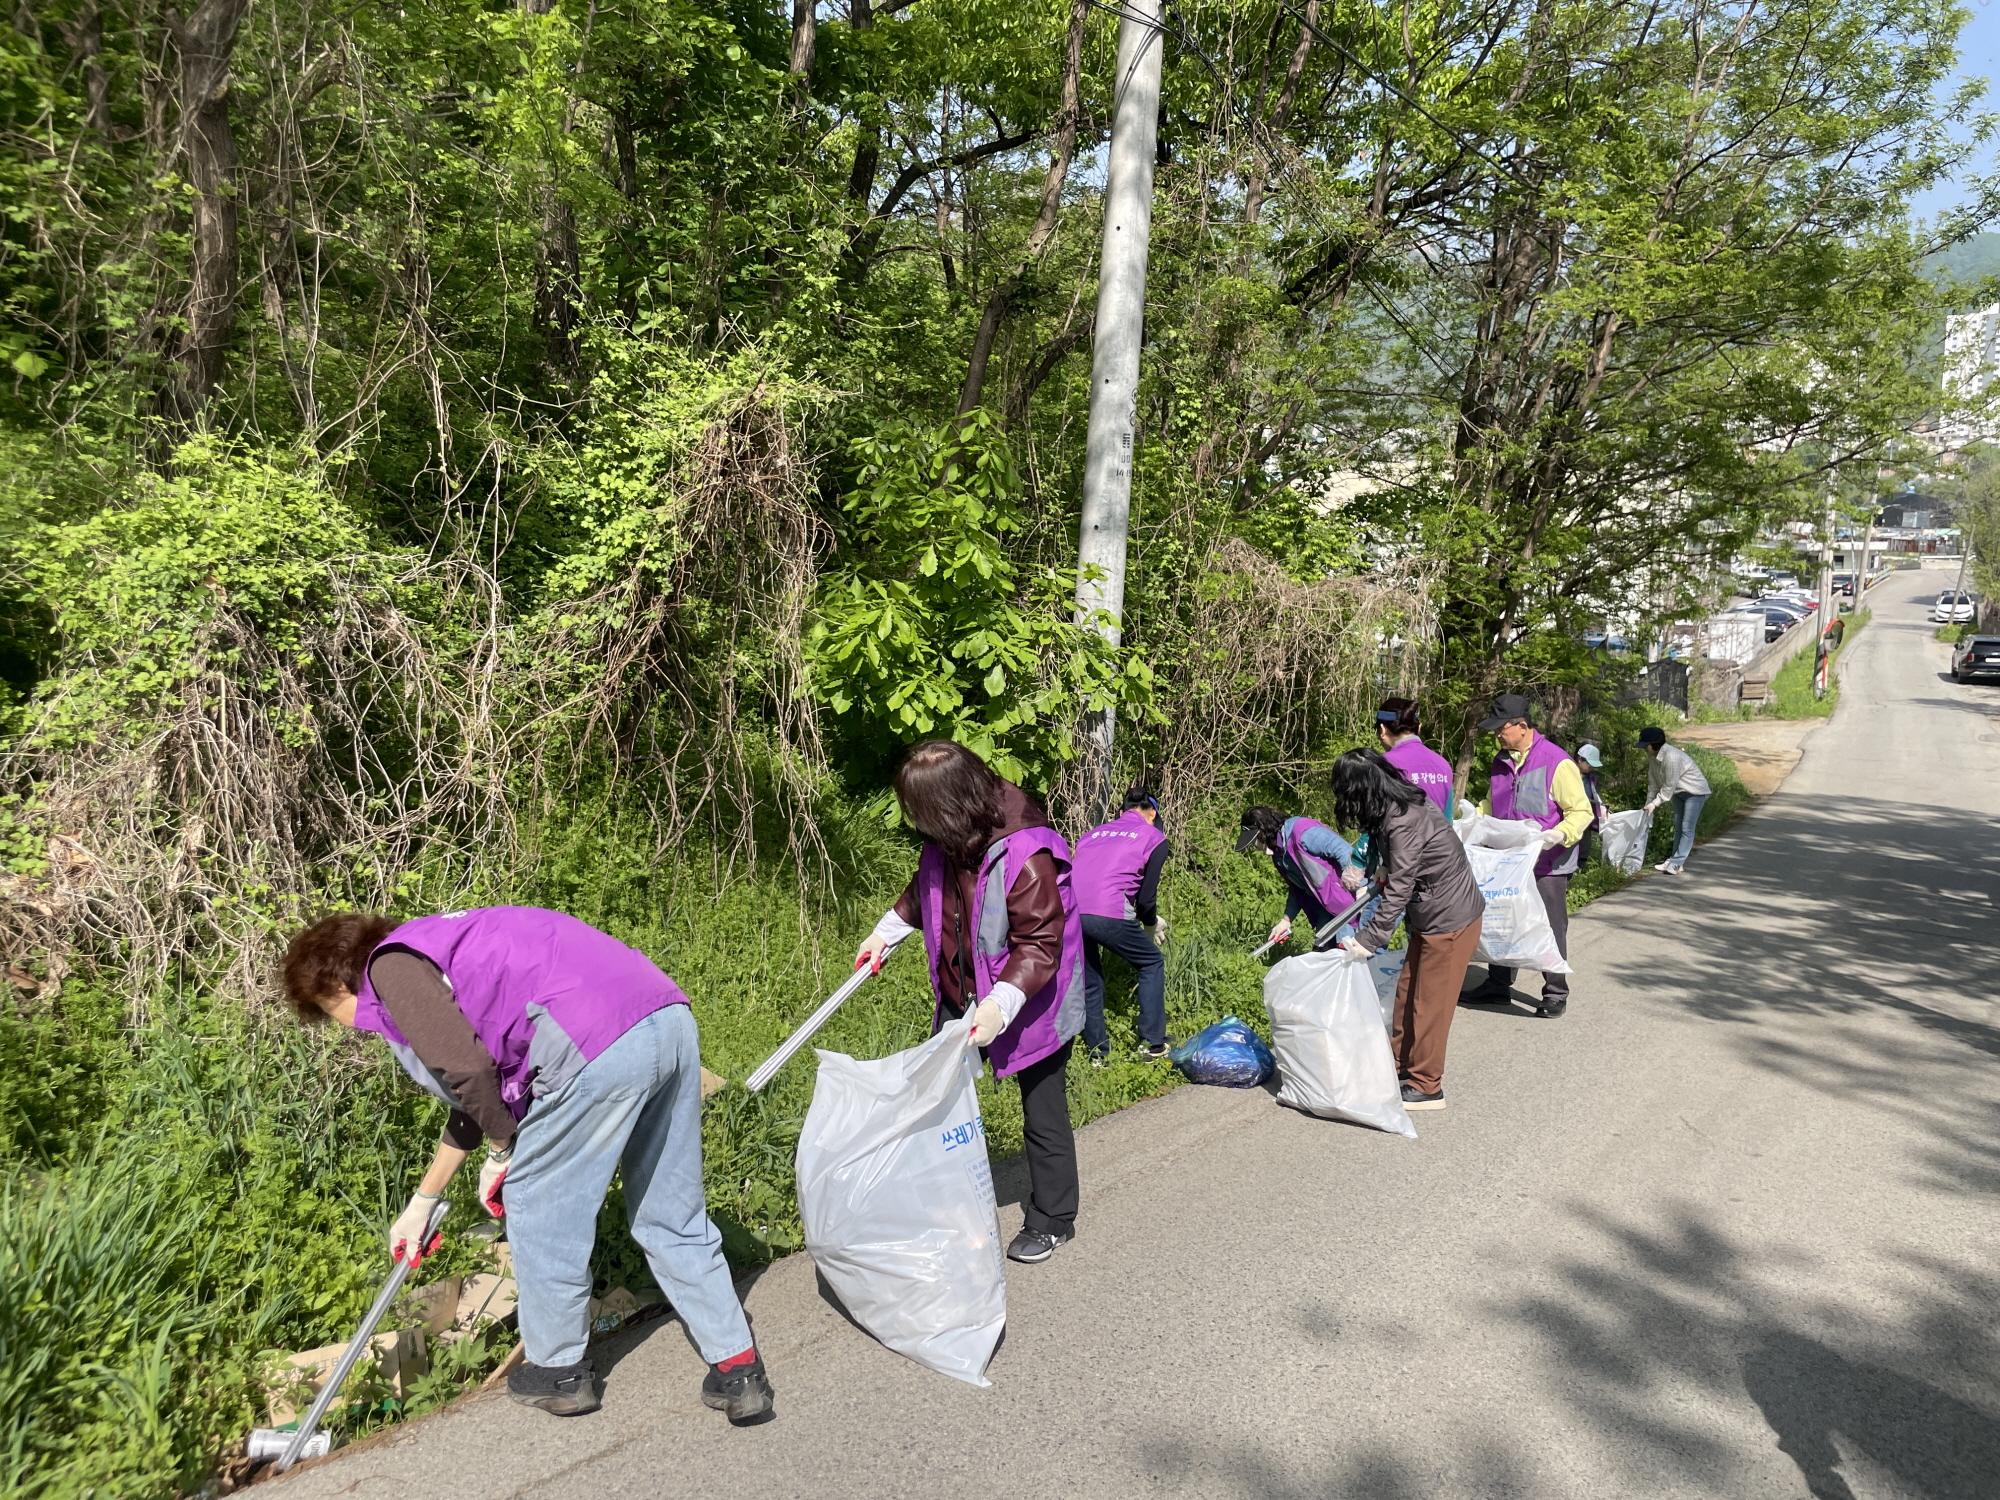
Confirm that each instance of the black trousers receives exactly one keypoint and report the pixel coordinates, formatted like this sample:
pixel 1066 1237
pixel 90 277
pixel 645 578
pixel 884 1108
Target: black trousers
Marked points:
pixel 1053 1190
pixel 1052 1180
pixel 1554 891
pixel 1128 940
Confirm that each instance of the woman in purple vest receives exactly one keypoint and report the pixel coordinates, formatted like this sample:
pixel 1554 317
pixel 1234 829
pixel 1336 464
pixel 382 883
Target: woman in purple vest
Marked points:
pixel 1117 880
pixel 1316 864
pixel 572 1056
pixel 992 898
pixel 1404 748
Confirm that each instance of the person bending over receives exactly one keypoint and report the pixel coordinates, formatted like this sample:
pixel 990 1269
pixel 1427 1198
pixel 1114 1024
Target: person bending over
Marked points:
pixel 1117 880
pixel 571 1056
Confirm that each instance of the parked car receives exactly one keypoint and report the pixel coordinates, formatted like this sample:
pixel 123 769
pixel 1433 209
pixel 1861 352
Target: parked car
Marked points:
pixel 1793 607
pixel 1976 656
pixel 1953 607
pixel 1608 640
pixel 1796 596
pixel 1776 621
pixel 1784 580
pixel 1843 583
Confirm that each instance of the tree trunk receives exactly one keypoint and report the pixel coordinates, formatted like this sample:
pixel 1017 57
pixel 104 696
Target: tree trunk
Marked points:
pixel 805 39
pixel 868 140
pixel 1253 194
pixel 85 36
pixel 206 43
pixel 1045 220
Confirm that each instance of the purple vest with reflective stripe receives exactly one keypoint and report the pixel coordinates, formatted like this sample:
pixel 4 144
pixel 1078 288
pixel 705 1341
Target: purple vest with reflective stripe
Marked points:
pixel 1428 771
pixel 1110 863
pixel 536 985
pixel 1527 791
pixel 1054 1013
pixel 1322 876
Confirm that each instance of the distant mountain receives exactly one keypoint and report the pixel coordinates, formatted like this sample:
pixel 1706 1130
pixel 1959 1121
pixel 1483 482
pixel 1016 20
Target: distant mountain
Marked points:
pixel 1968 260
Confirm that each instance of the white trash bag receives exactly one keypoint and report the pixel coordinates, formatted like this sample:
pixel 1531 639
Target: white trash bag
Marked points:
pixel 897 1197
pixel 1333 1053
pixel 1386 969
pixel 1488 832
pixel 1625 836
pixel 1515 931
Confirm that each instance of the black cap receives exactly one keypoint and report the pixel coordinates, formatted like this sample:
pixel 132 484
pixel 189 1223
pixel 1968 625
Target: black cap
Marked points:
pixel 1506 709
pixel 1652 734
pixel 1246 840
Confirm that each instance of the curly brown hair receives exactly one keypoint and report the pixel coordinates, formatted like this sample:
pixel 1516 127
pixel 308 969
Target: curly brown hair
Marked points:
pixel 329 956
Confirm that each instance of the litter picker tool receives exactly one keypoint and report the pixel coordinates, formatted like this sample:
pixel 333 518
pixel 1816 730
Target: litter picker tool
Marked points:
pixel 358 1346
pixel 1333 924
pixel 768 1068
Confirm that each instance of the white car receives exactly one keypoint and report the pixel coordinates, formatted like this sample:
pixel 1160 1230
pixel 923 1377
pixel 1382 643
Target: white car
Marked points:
pixel 1953 607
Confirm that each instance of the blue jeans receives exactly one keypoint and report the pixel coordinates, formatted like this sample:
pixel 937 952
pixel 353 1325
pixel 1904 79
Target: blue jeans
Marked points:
pixel 637 1106
pixel 1126 938
pixel 1687 814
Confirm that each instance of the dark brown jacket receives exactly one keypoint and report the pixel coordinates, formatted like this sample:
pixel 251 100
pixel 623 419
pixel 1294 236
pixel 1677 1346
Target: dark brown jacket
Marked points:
pixel 1034 912
pixel 1423 876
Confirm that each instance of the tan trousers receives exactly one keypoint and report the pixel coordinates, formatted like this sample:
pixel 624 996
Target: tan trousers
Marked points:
pixel 1427 999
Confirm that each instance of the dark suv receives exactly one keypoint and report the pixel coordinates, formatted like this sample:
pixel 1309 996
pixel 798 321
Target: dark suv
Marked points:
pixel 1976 656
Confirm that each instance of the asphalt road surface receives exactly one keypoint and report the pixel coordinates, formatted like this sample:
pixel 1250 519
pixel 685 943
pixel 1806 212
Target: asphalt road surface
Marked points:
pixel 1727 1229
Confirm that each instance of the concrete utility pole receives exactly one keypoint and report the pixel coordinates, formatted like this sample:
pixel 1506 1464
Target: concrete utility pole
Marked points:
pixel 1114 365
pixel 1829 609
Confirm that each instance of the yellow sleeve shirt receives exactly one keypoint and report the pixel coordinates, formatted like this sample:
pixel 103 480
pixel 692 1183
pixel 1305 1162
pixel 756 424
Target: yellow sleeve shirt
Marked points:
pixel 1566 786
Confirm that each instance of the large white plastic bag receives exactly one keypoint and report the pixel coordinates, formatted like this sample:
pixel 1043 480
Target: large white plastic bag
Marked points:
pixel 1625 839
pixel 1333 1053
pixel 897 1197
pixel 1515 931
pixel 1488 832
pixel 1386 969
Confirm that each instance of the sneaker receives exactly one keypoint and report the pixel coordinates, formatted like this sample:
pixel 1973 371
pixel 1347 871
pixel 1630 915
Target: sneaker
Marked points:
pixel 565 1390
pixel 744 1391
pixel 1032 1246
pixel 1668 867
pixel 1100 1059
pixel 1549 1010
pixel 1155 1051
pixel 1416 1098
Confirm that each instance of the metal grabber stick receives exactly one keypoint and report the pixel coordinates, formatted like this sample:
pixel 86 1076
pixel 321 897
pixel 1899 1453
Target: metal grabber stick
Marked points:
pixel 768 1068
pixel 1333 924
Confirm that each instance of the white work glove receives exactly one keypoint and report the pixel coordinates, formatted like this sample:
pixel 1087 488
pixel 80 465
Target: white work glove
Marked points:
pixel 491 1177
pixel 1351 879
pixel 880 943
pixel 1654 806
pixel 1353 952
pixel 1158 931
pixel 406 1235
pixel 1282 931
pixel 1551 838
pixel 987 1022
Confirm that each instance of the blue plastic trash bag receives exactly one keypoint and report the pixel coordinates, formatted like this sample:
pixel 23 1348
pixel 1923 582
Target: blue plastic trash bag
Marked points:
pixel 1228 1053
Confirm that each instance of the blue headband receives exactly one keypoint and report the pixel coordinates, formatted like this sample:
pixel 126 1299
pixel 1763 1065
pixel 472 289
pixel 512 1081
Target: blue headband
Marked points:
pixel 1385 716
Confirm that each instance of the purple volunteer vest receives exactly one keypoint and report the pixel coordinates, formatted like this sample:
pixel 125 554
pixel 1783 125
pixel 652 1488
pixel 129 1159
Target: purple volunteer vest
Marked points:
pixel 1054 1013
pixel 1110 863
pixel 1322 876
pixel 1428 771
pixel 1527 791
pixel 544 992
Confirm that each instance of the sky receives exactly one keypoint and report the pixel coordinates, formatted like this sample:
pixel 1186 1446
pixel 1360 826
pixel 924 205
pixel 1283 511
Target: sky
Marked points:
pixel 1979 57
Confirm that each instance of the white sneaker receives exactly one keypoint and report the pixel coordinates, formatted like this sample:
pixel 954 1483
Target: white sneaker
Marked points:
pixel 1667 867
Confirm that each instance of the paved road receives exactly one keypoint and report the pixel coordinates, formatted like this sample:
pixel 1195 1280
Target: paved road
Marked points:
pixel 1727 1230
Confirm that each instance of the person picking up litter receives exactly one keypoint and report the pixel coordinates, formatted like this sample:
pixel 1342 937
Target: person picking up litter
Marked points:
pixel 1316 864
pixel 1590 761
pixel 993 899
pixel 1427 884
pixel 1535 780
pixel 572 1055
pixel 1674 775
pixel 1117 880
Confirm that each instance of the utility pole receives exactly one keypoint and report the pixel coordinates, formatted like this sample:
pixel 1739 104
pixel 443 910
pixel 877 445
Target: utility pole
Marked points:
pixel 1829 610
pixel 1114 364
